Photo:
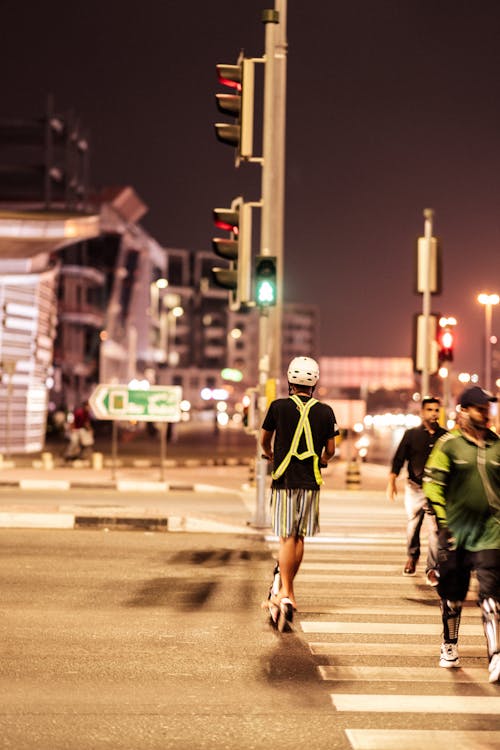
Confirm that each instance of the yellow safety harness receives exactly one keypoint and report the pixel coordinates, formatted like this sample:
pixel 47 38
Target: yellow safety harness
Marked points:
pixel 303 426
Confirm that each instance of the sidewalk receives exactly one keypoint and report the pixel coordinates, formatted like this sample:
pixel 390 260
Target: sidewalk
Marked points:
pixel 191 497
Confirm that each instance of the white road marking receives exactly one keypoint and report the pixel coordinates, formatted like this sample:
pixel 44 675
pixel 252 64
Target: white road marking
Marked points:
pixel 407 610
pixel 411 739
pixel 421 704
pixel 393 649
pixel 384 628
pixel 346 566
pixel 403 674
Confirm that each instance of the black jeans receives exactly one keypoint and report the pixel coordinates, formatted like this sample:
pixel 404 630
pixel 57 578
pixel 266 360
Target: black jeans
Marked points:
pixel 455 568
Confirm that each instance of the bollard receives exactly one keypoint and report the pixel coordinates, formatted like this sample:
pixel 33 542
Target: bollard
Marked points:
pixel 353 476
pixel 97 461
pixel 251 474
pixel 47 460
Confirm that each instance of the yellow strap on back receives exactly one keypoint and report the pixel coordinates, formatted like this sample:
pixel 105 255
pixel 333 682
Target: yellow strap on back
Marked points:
pixel 303 426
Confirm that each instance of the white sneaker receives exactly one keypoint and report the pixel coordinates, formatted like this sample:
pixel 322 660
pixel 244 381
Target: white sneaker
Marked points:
pixel 494 668
pixel 449 655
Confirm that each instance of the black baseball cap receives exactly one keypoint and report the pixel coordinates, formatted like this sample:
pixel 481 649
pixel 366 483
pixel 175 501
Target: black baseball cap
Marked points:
pixel 476 396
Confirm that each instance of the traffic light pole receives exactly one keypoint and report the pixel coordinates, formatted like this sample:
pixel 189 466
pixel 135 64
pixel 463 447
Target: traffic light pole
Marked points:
pixel 273 169
pixel 272 221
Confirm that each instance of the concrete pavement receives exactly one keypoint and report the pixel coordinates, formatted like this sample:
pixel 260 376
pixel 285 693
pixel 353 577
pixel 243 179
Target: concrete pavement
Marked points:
pixel 179 498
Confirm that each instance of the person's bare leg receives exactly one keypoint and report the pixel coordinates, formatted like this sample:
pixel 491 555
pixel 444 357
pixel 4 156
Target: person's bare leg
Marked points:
pixel 289 558
pixel 299 553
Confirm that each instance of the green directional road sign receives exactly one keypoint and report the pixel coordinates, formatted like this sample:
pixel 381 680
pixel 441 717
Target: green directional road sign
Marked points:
pixel 158 403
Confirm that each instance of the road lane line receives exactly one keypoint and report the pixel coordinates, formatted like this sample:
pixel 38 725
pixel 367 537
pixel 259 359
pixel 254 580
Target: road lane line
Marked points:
pixel 386 628
pixel 400 674
pixel 412 739
pixel 319 648
pixel 421 704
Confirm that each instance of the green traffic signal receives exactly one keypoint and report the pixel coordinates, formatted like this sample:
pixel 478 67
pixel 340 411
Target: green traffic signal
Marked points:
pixel 265 280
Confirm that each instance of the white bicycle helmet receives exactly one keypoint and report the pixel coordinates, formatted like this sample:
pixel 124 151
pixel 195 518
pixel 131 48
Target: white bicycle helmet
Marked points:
pixel 303 371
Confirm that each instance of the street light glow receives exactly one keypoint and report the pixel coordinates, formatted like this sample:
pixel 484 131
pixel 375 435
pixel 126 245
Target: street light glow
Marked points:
pixel 488 299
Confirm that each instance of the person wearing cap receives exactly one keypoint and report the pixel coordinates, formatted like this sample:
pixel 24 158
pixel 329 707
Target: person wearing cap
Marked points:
pixel 462 482
pixel 298 437
pixel 414 449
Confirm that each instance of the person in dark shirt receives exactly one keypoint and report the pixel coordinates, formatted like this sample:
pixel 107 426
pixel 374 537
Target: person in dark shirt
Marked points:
pixel 298 436
pixel 414 449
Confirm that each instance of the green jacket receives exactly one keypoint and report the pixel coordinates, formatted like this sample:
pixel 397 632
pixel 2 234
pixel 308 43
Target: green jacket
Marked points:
pixel 462 483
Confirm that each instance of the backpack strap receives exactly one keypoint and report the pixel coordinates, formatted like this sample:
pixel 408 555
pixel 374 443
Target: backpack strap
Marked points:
pixel 303 426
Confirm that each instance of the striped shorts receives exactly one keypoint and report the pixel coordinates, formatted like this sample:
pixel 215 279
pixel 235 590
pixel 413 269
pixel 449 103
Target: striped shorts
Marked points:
pixel 294 512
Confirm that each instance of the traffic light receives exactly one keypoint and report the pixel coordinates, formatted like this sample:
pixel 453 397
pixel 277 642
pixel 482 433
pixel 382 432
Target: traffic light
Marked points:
pixel 239 105
pixel 237 249
pixel 265 280
pixel 446 345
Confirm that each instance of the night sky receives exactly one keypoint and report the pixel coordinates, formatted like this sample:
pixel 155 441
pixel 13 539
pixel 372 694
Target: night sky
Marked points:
pixel 393 107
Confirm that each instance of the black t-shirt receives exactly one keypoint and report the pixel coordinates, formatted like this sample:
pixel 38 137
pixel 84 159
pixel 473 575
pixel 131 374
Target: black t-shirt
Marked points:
pixel 282 418
pixel 414 448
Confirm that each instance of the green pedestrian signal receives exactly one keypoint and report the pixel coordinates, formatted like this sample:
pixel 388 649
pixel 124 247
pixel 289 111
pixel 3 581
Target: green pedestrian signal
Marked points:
pixel 265 280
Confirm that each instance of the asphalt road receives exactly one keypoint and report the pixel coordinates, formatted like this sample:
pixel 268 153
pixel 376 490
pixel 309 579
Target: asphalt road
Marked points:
pixel 157 640
pixel 132 640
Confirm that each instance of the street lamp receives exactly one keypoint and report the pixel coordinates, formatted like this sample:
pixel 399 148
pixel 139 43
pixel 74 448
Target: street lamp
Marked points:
pixel 488 300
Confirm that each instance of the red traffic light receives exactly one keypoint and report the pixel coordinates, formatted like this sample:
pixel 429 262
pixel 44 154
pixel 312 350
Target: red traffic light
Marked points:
pixel 230 75
pixel 446 345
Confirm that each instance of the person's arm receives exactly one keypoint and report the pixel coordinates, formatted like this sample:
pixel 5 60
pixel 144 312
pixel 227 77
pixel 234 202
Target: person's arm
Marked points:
pixel 266 442
pixel 392 488
pixel 328 451
pixel 397 464
pixel 436 476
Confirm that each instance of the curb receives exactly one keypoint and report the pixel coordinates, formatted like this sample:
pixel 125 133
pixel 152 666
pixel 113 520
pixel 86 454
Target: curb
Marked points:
pixel 138 463
pixel 58 520
pixel 121 485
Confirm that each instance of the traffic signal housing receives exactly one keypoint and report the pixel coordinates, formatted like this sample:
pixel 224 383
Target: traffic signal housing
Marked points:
pixel 239 104
pixel 237 249
pixel 425 336
pixel 265 280
pixel 446 342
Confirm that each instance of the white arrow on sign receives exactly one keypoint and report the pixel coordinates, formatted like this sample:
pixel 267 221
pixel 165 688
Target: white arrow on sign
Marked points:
pixel 119 402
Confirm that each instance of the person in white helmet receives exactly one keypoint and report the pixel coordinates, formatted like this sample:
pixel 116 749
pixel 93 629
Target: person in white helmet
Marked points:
pixel 298 436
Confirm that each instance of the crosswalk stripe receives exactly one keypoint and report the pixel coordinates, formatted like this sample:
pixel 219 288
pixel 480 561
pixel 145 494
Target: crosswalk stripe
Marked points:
pixel 399 579
pixel 378 540
pixel 433 704
pixel 383 628
pixel 411 739
pixel 354 571
pixel 315 590
pixel 346 566
pixel 404 611
pixel 402 674
pixel 319 648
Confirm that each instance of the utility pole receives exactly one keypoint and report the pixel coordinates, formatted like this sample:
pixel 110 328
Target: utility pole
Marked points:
pixel 272 220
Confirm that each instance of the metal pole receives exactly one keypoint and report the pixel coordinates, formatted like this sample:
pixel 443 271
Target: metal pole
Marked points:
pixel 260 520
pixel 113 450
pixel 272 218
pixel 279 141
pixel 9 412
pixel 426 300
pixel 273 170
pixel 487 345
pixel 163 428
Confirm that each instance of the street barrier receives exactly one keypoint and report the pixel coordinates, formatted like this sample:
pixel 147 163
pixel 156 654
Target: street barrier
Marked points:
pixel 97 461
pixel 353 476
